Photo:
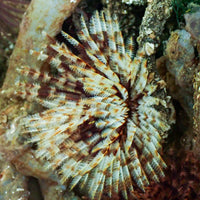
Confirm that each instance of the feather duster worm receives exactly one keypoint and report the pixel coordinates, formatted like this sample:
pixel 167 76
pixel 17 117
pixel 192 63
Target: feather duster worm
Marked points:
pixel 104 117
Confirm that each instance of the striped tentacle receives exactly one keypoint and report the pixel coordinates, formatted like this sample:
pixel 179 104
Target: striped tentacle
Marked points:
pixel 98 64
pixel 96 31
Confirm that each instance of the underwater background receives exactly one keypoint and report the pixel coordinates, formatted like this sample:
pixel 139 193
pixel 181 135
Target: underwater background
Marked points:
pixel 161 37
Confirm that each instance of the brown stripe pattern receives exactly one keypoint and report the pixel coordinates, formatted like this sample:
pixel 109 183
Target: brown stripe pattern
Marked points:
pixel 101 129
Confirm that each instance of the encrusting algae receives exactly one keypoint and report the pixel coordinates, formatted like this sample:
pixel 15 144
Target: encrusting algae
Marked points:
pixel 179 68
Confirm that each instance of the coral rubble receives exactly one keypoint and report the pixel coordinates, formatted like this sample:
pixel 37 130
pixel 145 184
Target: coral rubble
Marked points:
pixel 151 28
pixel 179 66
pixel 13 185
